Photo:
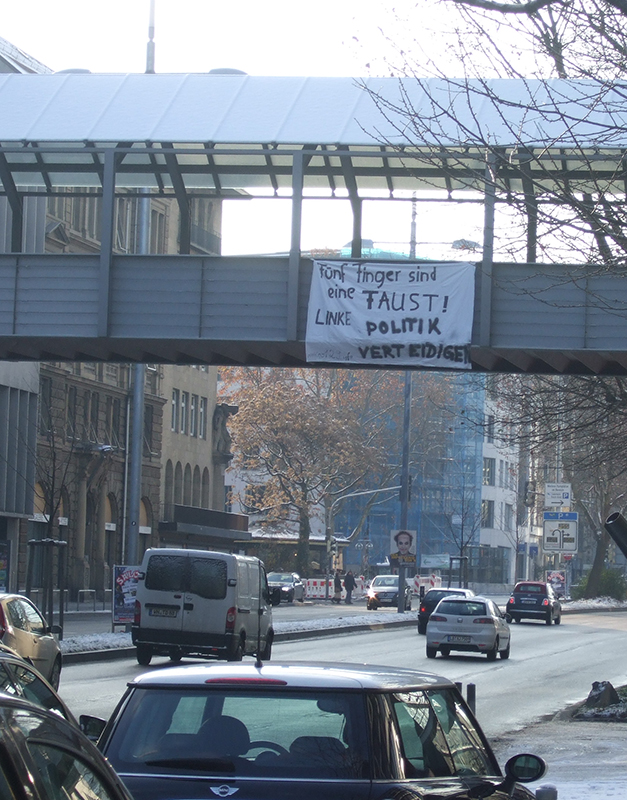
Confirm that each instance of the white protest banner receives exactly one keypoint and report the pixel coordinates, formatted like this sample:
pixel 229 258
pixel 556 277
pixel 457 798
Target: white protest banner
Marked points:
pixel 403 314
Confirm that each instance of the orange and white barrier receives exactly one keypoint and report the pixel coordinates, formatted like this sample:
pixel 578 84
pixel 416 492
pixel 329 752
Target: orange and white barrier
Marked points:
pixel 315 588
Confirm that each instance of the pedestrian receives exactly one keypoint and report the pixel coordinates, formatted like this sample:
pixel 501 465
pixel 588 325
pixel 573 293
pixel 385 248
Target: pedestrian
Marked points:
pixel 337 588
pixel 349 585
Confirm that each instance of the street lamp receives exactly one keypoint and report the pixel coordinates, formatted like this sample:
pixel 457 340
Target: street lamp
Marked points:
pixel 364 547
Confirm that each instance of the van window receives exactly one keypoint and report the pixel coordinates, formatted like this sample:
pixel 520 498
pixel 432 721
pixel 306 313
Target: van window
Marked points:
pixel 166 573
pixel 205 577
pixel 208 578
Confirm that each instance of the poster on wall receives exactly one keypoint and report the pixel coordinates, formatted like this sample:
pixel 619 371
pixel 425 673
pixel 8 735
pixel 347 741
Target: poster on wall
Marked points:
pixel 367 313
pixel 124 591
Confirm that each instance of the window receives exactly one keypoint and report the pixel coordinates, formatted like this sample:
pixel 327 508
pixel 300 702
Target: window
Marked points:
pixel 487 513
pixel 489 428
pixel 508 517
pixel 193 416
pixel 45 406
pixel 175 409
pixel 70 413
pixel 202 418
pixel 489 468
pixel 93 417
pixel 184 412
pixel 148 425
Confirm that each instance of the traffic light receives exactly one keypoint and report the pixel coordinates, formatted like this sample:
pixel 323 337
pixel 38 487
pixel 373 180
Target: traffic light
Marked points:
pixel 530 493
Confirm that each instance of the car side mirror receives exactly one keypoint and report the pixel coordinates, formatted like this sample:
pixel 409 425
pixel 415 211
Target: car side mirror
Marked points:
pixel 524 768
pixel 92 727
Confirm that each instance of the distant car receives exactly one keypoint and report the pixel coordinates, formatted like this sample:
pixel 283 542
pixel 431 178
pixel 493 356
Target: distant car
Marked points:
pixel 383 591
pixel 23 629
pixel 470 624
pixel 534 600
pixel 19 679
pixel 289 584
pixel 311 731
pixel 45 757
pixel 430 601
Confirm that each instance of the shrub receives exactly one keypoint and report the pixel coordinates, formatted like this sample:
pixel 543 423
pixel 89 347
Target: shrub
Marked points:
pixel 612 584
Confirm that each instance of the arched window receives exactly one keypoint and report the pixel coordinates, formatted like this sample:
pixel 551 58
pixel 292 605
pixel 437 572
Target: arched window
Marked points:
pixel 187 486
pixel 196 487
pixel 205 489
pixel 178 484
pixel 168 494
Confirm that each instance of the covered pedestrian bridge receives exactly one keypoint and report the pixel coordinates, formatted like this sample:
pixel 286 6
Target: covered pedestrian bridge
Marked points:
pixel 218 136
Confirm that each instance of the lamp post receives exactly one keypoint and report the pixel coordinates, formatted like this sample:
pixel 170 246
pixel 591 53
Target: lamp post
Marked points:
pixel 365 547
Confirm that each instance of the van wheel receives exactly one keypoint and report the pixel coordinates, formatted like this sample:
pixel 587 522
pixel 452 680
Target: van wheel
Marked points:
pixel 266 653
pixel 237 652
pixel 144 655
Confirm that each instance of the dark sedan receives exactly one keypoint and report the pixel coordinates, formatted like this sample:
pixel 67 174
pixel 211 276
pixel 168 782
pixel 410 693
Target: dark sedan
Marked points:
pixel 277 730
pixel 289 585
pixel 45 757
pixel 534 600
pixel 430 601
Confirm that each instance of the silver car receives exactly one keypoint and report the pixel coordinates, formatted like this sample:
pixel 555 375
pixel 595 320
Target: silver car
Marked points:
pixel 23 629
pixel 469 624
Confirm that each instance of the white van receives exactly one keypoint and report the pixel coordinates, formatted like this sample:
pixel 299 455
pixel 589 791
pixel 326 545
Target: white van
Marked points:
pixel 201 603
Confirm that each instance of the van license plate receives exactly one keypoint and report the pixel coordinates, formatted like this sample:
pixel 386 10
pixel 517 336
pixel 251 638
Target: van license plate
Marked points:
pixel 162 612
pixel 459 639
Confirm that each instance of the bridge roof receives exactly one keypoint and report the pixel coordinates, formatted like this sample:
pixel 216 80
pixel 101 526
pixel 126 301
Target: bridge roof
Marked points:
pixel 239 131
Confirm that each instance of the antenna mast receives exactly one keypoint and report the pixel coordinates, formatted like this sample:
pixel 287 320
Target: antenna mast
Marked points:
pixel 150 50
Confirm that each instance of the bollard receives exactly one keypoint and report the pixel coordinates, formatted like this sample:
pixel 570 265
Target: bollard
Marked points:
pixel 471 697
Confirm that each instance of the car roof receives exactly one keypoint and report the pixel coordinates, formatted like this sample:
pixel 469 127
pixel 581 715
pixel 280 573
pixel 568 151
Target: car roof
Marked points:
pixel 451 590
pixel 520 584
pixel 476 598
pixel 326 676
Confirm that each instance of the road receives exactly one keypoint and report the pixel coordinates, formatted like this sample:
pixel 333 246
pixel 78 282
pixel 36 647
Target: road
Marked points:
pixel 550 667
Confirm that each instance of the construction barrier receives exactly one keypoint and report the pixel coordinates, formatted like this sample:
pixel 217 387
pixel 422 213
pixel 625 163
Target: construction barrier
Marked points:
pixel 315 588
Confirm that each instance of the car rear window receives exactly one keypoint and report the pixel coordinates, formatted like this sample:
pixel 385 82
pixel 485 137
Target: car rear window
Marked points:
pixel 465 608
pixel 293 734
pixel 435 596
pixel 205 577
pixel 529 588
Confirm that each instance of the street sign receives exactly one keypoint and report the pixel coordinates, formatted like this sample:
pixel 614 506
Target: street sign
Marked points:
pixel 560 532
pixel 557 494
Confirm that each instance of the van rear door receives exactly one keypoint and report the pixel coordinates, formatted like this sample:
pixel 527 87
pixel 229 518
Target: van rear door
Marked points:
pixel 164 591
pixel 205 601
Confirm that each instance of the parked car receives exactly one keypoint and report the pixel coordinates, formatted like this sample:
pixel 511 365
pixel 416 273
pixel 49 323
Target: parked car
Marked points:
pixel 383 591
pixel 534 600
pixel 45 757
pixel 20 679
pixel 430 601
pixel 470 624
pixel 289 584
pixel 310 731
pixel 23 629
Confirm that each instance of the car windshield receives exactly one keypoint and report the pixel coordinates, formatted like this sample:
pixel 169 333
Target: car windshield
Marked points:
pixel 280 577
pixel 465 608
pixel 385 580
pixel 291 734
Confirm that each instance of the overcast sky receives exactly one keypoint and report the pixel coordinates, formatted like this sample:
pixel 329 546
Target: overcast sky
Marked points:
pixel 326 38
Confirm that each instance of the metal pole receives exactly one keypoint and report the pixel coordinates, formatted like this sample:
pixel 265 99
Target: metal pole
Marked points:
pixel 404 484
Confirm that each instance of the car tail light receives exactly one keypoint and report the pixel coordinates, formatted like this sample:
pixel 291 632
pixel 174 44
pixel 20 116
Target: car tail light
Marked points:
pixel 3 623
pixel 545 602
pixel 511 600
pixel 423 609
pixel 437 618
pixel 230 619
pixel 137 616
pixel 483 621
